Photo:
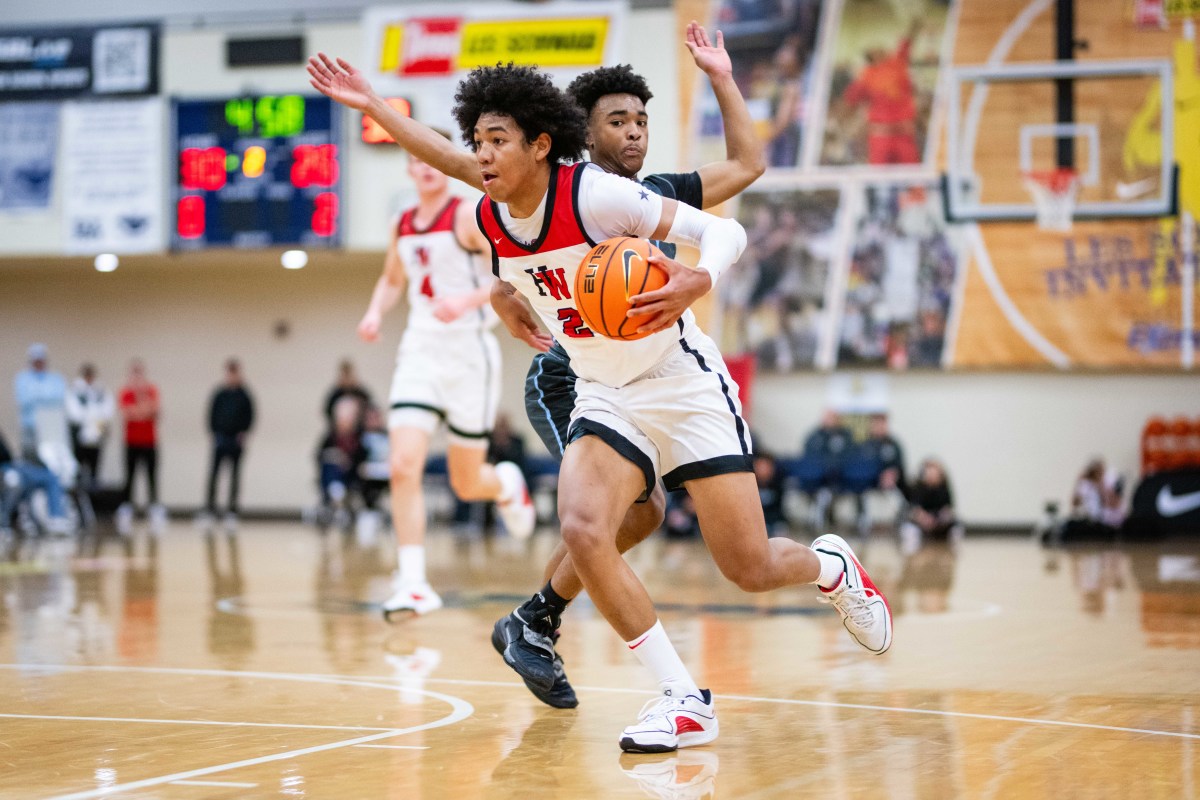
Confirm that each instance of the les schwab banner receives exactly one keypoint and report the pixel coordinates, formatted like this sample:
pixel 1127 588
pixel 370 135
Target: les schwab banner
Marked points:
pixel 423 55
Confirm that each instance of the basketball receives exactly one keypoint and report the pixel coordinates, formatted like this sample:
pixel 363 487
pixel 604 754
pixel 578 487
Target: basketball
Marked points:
pixel 611 273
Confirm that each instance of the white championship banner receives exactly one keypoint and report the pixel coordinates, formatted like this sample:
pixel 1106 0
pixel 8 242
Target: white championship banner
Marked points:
pixel 113 177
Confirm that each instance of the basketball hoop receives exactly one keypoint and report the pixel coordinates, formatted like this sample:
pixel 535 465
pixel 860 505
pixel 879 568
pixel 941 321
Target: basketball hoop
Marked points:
pixel 1054 193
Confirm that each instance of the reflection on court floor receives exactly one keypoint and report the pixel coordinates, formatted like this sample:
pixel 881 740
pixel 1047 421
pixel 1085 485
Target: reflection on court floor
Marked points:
pixel 257 664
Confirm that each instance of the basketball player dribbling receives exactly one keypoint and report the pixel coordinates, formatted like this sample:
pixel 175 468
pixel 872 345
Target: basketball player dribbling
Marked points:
pixel 435 250
pixel 663 405
pixel 613 100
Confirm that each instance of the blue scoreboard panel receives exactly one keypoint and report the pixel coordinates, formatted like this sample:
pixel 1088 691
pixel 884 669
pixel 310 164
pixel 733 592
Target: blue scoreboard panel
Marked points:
pixel 256 172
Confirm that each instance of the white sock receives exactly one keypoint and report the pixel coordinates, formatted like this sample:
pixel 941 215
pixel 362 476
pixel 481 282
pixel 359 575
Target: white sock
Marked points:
pixel 654 649
pixel 832 568
pixel 411 558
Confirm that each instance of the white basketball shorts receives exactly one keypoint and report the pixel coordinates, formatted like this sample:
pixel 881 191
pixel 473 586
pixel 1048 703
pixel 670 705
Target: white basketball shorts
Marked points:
pixel 682 420
pixel 451 376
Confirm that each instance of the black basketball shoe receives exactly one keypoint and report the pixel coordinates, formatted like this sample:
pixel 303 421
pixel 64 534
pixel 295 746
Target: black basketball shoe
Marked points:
pixel 528 647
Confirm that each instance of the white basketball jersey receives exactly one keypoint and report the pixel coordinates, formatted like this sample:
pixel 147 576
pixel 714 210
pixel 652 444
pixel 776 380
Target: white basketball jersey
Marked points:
pixel 544 272
pixel 438 266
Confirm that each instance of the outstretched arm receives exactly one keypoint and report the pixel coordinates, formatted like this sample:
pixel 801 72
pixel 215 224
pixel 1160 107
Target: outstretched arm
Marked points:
pixel 744 161
pixel 338 80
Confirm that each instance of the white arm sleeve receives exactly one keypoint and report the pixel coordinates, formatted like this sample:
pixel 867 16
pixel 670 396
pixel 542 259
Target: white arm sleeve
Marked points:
pixel 610 205
pixel 721 241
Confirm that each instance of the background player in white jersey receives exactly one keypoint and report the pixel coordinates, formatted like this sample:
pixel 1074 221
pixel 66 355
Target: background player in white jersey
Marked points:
pixel 662 405
pixel 447 370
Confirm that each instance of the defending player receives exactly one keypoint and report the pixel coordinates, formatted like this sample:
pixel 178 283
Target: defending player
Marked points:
pixel 664 404
pixel 435 250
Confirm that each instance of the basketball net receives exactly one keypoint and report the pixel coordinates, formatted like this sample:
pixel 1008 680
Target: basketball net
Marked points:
pixel 1054 193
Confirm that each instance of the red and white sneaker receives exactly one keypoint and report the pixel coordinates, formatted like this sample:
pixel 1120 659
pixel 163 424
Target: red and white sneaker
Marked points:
pixel 517 511
pixel 865 611
pixel 667 723
pixel 411 599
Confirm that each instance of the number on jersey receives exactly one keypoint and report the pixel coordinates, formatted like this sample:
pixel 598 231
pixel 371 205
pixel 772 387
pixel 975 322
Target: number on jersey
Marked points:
pixel 573 324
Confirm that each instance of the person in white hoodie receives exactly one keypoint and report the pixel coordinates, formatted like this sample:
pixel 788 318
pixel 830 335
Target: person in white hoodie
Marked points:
pixel 90 411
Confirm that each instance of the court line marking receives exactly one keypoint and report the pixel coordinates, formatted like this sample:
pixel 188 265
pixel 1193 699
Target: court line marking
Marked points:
pixel 195 722
pixel 857 706
pixel 314 678
pixel 460 710
pixel 461 713
pixel 230 784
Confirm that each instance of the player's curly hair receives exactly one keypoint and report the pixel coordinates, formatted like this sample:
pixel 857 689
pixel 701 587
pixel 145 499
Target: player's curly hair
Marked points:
pixel 530 98
pixel 589 87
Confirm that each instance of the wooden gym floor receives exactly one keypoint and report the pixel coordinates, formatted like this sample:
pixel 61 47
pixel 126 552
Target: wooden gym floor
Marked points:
pixel 254 665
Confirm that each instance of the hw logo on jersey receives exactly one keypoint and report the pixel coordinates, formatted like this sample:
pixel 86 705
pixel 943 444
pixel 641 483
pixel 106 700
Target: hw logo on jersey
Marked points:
pixel 551 283
pixel 423 255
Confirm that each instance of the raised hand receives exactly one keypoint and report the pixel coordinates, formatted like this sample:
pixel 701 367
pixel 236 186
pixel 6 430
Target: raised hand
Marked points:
pixel 338 80
pixel 713 59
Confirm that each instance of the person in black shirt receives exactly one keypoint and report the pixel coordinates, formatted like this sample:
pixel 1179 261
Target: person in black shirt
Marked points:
pixel 230 418
pixel 348 385
pixel 931 514
pixel 883 452
pixel 823 454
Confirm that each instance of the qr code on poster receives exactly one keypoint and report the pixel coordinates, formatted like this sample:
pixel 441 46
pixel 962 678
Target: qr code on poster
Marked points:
pixel 121 60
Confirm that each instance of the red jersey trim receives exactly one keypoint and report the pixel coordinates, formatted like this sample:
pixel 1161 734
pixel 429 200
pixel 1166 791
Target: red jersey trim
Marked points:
pixel 561 228
pixel 443 221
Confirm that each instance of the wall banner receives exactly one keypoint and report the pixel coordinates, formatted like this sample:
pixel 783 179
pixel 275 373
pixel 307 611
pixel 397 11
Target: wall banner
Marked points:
pixel 423 55
pixel 113 177
pixel 59 63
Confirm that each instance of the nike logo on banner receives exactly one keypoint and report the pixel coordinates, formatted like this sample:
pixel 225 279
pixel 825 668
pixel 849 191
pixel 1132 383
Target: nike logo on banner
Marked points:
pixel 1172 505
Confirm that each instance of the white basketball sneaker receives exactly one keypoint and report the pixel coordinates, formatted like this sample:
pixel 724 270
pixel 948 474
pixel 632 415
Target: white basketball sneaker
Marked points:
pixel 411 599
pixel 123 519
pixel 685 775
pixel 865 611
pixel 517 510
pixel 666 723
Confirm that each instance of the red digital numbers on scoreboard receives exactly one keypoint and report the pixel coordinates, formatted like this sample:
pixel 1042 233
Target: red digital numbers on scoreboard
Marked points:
pixel 189 217
pixel 325 210
pixel 314 165
pixel 202 168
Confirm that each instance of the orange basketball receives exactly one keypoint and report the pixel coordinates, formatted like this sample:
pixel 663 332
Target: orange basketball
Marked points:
pixel 611 273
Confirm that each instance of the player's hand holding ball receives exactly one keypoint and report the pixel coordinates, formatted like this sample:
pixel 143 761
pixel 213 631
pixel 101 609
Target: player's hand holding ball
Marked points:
pixel 627 289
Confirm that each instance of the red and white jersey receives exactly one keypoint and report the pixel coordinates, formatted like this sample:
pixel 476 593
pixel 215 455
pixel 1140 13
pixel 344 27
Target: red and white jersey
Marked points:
pixel 540 255
pixel 437 265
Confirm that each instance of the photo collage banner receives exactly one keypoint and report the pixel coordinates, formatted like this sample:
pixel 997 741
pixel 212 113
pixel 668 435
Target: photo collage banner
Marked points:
pixel 851 261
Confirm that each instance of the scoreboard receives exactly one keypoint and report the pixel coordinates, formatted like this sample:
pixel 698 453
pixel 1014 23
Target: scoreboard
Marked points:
pixel 256 172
